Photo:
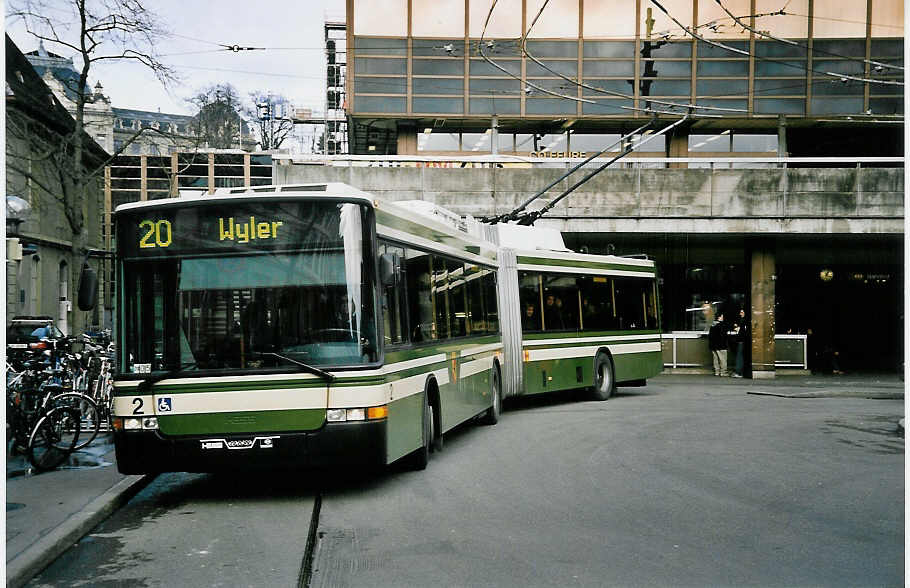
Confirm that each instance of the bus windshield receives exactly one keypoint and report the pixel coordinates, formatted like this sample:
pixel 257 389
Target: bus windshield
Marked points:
pixel 197 305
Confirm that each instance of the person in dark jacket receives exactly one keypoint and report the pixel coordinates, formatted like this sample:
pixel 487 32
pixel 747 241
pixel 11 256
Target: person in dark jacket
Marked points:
pixel 717 343
pixel 740 337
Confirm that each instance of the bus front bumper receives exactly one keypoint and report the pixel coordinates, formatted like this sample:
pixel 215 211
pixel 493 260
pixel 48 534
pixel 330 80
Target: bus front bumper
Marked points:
pixel 335 444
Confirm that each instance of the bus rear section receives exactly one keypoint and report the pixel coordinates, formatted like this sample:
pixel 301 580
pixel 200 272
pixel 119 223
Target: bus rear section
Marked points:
pixel 576 320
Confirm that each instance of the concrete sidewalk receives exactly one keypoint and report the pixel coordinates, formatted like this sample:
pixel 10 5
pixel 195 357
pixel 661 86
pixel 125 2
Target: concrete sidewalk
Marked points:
pixel 46 513
pixel 879 386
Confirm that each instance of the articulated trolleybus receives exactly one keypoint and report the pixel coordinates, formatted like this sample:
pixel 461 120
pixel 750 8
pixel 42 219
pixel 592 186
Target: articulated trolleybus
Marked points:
pixel 316 325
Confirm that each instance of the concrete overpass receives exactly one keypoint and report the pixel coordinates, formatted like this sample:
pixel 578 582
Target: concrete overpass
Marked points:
pixel 652 195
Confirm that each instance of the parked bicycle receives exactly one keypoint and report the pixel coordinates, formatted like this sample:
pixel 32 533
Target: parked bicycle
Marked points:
pixel 41 425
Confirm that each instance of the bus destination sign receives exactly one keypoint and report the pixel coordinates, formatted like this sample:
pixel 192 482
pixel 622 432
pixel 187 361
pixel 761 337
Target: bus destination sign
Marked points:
pixel 170 232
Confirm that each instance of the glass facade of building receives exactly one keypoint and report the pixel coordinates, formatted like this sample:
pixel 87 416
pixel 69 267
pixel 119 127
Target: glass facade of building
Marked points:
pixel 601 65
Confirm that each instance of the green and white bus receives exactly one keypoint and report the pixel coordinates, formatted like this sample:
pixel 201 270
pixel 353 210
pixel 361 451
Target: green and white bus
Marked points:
pixel 310 325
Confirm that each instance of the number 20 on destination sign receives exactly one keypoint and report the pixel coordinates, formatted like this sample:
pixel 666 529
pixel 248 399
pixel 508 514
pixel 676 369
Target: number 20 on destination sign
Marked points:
pixel 157 233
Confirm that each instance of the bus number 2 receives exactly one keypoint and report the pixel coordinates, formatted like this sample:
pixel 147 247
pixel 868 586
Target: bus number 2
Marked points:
pixel 137 402
pixel 160 231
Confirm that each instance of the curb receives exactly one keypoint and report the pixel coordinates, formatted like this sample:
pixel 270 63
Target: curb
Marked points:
pixel 49 547
pixel 868 395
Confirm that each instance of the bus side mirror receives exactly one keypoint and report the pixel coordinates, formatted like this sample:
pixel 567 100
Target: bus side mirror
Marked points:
pixel 88 288
pixel 388 268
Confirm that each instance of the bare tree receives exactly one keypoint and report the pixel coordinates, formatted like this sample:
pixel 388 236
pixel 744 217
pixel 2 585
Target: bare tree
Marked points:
pixel 272 124
pixel 97 31
pixel 217 123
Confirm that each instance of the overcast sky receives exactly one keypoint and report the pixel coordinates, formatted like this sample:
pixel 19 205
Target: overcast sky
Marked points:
pixel 293 63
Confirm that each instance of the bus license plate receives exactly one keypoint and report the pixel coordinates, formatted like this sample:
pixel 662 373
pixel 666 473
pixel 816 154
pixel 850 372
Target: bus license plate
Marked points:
pixel 240 444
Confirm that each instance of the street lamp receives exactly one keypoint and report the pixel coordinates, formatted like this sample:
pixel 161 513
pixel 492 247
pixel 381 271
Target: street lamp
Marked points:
pixel 18 211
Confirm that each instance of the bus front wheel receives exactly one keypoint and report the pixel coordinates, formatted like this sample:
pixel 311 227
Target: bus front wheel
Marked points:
pixel 419 459
pixel 604 381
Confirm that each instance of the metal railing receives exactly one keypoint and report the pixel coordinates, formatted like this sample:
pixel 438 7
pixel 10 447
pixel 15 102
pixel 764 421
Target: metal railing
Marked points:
pixel 631 162
pixel 689 349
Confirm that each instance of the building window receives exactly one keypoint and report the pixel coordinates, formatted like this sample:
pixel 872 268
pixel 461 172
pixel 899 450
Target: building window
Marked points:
pixel 592 143
pixel 438 142
pixel 755 143
pixel 719 143
pixel 476 142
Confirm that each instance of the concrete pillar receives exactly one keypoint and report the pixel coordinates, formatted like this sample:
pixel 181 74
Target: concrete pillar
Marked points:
pixel 407 138
pixel 782 136
pixel 678 146
pixel 763 282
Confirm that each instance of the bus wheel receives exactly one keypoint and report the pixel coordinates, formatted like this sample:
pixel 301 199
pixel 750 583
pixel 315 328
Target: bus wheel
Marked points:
pixel 491 417
pixel 419 459
pixel 604 383
pixel 435 433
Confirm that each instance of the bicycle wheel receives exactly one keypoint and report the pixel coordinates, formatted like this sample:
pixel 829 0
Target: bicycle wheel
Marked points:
pixel 90 416
pixel 53 438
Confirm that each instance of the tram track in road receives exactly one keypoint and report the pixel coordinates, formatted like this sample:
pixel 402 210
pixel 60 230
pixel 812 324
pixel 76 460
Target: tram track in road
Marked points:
pixel 306 570
pixel 200 529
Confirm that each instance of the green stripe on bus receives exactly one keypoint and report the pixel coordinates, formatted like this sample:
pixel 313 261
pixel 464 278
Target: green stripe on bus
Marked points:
pixel 268 421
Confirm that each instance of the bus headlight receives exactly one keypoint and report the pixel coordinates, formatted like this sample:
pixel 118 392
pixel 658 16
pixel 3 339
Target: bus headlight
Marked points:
pixel 135 424
pixel 341 415
pixel 131 424
pixel 335 415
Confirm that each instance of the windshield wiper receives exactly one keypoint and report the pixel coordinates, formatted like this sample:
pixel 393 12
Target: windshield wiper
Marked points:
pixel 306 367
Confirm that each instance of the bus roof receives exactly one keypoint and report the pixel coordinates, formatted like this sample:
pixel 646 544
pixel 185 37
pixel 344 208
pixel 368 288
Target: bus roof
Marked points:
pixel 332 189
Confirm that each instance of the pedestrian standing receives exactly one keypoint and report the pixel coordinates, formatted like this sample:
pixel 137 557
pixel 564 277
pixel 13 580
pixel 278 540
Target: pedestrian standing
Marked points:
pixel 740 336
pixel 717 343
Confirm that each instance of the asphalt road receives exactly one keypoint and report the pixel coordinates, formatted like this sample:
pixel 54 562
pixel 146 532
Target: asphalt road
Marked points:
pixel 675 484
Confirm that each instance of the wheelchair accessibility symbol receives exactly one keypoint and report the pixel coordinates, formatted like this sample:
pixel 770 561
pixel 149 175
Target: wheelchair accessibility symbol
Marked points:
pixel 164 405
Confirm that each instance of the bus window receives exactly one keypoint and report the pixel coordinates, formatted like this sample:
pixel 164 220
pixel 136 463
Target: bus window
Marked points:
pixel 597 310
pixel 420 299
pixel 476 303
pixel 458 317
pixel 560 311
pixel 490 301
pixel 529 297
pixel 392 301
pixel 632 302
pixel 440 281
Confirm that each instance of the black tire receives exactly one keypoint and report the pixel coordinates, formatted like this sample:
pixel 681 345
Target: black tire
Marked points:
pixel 53 438
pixel 491 417
pixel 89 416
pixel 436 438
pixel 604 380
pixel 419 459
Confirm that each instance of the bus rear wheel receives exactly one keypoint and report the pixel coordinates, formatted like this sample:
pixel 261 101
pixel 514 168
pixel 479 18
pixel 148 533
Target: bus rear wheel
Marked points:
pixel 604 382
pixel 491 416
